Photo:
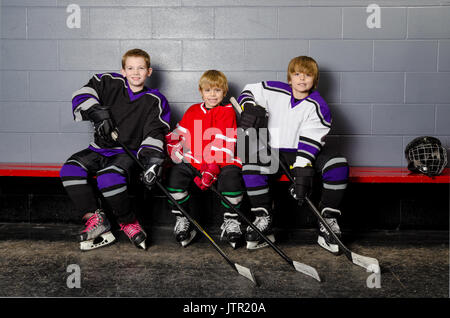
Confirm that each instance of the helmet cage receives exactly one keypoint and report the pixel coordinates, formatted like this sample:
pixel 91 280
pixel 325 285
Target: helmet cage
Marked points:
pixel 426 156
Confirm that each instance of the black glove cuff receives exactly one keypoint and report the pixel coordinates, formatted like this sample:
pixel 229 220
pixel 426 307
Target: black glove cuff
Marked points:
pixel 98 113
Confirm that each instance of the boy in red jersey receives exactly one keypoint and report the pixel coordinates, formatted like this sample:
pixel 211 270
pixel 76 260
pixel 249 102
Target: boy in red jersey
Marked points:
pixel 206 138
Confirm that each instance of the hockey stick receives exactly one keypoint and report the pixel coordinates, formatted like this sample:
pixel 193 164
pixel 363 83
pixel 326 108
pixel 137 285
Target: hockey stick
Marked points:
pixel 369 263
pixel 300 267
pixel 244 271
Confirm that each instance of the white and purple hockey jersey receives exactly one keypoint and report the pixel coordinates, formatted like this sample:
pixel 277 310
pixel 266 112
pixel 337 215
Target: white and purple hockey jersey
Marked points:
pixel 294 125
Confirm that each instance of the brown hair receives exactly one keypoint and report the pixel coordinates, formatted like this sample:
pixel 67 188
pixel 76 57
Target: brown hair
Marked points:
pixel 136 53
pixel 304 64
pixel 213 78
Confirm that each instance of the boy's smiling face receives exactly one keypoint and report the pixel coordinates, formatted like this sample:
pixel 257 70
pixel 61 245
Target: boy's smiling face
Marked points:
pixel 301 84
pixel 212 96
pixel 136 72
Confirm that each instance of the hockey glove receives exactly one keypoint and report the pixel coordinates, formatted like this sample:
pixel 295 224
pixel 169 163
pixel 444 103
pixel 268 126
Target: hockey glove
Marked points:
pixel 153 170
pixel 302 186
pixel 253 117
pixel 209 176
pixel 174 149
pixel 103 123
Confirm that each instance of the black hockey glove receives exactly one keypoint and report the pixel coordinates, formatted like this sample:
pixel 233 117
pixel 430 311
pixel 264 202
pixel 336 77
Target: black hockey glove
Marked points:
pixel 253 117
pixel 153 170
pixel 103 123
pixel 302 187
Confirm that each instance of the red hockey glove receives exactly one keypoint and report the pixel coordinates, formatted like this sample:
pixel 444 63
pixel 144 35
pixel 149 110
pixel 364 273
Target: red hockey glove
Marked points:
pixel 209 176
pixel 174 149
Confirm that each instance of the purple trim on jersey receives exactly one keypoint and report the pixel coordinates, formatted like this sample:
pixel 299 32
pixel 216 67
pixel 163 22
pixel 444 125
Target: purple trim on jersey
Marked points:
pixel 69 170
pixel 110 179
pixel 279 85
pixel 245 95
pixel 109 152
pixel 323 107
pixel 287 149
pixel 79 99
pixel 336 174
pixel 255 180
pixel 312 150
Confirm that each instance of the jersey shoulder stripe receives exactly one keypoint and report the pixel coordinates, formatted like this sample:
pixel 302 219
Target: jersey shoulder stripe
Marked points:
pixel 276 86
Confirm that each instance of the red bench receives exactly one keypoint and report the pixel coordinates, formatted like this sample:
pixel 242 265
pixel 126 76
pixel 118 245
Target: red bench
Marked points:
pixel 357 174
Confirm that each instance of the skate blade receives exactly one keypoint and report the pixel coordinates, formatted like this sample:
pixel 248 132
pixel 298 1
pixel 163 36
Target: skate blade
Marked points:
pixel 191 237
pixel 255 245
pixel 106 239
pixel 143 246
pixel 332 248
pixel 233 245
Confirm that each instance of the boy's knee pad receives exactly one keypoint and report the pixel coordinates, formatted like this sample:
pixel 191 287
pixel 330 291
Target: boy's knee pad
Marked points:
pixel 111 181
pixel 73 173
pixel 335 173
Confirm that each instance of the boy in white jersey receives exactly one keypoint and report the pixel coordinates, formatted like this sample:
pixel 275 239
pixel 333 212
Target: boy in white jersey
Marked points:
pixel 298 120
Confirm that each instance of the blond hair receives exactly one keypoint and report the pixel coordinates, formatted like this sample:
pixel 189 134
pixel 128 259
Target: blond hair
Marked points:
pixel 213 78
pixel 136 53
pixel 304 64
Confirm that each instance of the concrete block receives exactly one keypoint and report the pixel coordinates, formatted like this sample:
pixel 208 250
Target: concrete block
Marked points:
pixel 237 80
pixel 68 124
pixel 56 86
pixel 28 55
pixel 427 88
pixel 15 147
pixel 179 87
pixel 244 3
pixel 352 119
pixel 14 85
pixel 369 150
pixel 381 3
pixel 392 23
pixel 330 86
pixel 310 23
pixel 444 56
pixel 56 148
pixel 272 55
pixel 429 23
pixel 338 55
pixel 29 117
pixel 226 55
pixel 13 23
pixel 407 56
pixel 196 23
pixel 120 23
pixel 121 3
pixel 29 3
pixel 244 23
pixel 165 55
pixel 403 119
pixel 443 119
pixel 51 23
pixel 89 54
pixel 364 87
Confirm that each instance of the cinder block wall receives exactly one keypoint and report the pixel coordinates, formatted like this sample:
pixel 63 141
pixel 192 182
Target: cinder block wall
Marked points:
pixel 384 85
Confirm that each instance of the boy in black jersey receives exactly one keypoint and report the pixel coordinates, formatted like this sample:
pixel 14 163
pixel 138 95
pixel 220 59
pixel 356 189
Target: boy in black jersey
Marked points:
pixel 140 115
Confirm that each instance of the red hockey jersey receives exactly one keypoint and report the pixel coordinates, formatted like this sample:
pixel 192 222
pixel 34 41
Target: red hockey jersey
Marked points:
pixel 208 135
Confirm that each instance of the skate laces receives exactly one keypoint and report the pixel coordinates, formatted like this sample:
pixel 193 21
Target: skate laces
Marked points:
pixel 131 229
pixel 182 224
pixel 262 222
pixel 332 222
pixel 93 222
pixel 230 225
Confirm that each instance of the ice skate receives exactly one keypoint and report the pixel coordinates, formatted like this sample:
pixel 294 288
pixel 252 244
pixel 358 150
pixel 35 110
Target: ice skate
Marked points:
pixel 325 239
pixel 184 232
pixel 97 232
pixel 263 222
pixel 231 229
pixel 135 233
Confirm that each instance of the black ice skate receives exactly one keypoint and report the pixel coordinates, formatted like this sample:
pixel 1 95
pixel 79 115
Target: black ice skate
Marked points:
pixel 263 222
pixel 97 232
pixel 184 232
pixel 135 233
pixel 325 239
pixel 231 228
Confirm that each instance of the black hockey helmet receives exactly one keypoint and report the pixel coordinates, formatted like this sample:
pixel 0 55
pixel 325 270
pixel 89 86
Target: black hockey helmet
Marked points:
pixel 426 155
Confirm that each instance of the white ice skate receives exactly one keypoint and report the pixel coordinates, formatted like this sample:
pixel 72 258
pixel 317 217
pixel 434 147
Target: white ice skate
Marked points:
pixel 231 228
pixel 97 232
pixel 263 222
pixel 184 232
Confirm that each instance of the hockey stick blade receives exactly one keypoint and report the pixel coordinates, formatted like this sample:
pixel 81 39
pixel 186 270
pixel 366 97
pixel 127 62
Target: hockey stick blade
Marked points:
pixel 369 263
pixel 246 272
pixel 235 104
pixel 307 270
